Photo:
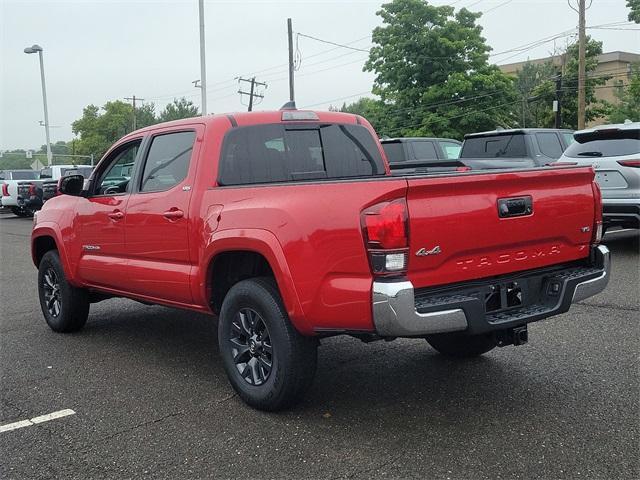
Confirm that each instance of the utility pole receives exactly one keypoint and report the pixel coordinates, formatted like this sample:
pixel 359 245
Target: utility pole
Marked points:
pixel 558 102
pixel 133 100
pixel 203 64
pixel 251 93
pixel 290 34
pixel 581 63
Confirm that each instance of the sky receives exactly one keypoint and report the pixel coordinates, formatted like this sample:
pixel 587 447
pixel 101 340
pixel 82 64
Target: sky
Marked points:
pixel 98 51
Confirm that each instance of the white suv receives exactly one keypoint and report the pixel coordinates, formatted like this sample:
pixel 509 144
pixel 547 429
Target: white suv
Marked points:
pixel 614 152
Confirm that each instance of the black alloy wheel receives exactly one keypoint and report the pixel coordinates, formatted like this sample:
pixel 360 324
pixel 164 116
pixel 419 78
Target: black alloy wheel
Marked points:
pixel 251 346
pixel 52 295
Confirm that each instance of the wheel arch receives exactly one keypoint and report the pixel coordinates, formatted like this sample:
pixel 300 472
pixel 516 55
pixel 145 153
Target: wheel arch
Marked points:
pixel 46 237
pixel 259 254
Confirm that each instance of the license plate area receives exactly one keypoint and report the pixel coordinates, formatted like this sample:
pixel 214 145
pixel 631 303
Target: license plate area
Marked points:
pixel 610 179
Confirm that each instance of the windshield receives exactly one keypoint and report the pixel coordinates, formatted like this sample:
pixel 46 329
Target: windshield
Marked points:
pixel 605 143
pixel 46 173
pixel 24 175
pixel 495 146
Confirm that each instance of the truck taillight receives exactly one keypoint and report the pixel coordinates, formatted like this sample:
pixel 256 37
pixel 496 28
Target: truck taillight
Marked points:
pixel 597 207
pixel 630 163
pixel 385 228
pixel 5 190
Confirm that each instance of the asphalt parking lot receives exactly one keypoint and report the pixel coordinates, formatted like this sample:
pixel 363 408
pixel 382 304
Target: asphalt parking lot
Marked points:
pixel 151 399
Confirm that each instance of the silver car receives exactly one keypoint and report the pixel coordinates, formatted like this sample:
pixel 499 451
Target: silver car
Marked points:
pixel 614 151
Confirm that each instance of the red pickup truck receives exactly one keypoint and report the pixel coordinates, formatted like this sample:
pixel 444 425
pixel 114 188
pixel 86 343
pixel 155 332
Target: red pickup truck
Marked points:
pixel 288 225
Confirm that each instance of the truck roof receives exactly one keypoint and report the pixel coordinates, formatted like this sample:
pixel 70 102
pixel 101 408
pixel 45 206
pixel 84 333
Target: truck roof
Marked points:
pixel 410 139
pixel 260 117
pixel 512 131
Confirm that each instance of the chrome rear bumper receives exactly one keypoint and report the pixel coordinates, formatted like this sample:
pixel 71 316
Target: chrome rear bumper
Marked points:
pixel 395 313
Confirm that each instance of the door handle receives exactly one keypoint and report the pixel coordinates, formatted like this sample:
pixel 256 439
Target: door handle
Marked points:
pixel 173 214
pixel 116 215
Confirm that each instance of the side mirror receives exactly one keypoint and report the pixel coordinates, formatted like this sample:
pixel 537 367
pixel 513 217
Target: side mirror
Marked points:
pixel 71 185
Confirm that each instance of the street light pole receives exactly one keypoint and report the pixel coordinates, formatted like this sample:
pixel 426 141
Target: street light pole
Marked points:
pixel 203 64
pixel 34 49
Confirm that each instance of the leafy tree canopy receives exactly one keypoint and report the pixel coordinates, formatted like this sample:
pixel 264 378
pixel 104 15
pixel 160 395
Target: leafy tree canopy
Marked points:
pixel 180 108
pixel 536 87
pixel 634 10
pixel 432 73
pixel 629 98
pixel 99 128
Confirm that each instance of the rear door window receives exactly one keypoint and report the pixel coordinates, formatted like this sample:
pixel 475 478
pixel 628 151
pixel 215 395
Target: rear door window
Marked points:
pixel 451 150
pixel 611 143
pixel 549 144
pixel 395 152
pixel 424 150
pixel 281 153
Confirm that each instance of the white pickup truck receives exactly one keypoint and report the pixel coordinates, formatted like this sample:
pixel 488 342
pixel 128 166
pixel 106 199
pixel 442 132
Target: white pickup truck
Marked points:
pixel 29 189
pixel 10 179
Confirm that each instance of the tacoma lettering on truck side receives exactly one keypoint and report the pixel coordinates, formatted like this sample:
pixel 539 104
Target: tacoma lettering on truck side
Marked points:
pixel 288 226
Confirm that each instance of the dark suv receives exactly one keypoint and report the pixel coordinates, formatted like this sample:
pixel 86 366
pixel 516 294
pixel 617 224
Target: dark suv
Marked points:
pixel 515 148
pixel 421 154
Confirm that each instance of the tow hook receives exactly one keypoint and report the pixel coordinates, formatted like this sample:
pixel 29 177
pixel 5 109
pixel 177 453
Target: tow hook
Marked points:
pixel 513 336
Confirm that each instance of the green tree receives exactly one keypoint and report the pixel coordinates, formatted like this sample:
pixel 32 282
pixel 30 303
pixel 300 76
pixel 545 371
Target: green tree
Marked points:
pixel 634 10
pixel 628 97
pixel 98 130
pixel 375 111
pixel 532 82
pixel 537 82
pixel 179 108
pixel 146 115
pixel 432 72
pixel 58 148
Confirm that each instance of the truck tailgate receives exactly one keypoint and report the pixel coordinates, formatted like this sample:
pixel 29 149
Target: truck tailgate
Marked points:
pixel 457 232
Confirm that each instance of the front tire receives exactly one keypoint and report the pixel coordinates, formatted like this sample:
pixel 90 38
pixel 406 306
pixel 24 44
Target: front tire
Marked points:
pixel 269 364
pixel 65 307
pixel 460 345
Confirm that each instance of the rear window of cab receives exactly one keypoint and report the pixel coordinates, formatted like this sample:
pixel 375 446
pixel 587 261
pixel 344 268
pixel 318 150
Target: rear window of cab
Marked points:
pixel 273 153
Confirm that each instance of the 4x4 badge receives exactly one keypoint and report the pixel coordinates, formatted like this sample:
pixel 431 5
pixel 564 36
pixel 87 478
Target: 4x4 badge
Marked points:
pixel 423 252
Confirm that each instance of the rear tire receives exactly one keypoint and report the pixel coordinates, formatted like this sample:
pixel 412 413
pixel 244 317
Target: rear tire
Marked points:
pixel 462 346
pixel 269 364
pixel 65 307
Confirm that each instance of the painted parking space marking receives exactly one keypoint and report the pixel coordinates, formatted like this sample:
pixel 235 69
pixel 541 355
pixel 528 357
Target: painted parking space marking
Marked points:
pixel 36 420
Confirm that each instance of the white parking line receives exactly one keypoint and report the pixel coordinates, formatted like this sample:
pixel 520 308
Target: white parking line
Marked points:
pixel 35 420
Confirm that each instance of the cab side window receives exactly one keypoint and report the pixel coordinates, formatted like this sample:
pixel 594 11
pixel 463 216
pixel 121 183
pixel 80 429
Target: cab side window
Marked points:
pixel 168 161
pixel 115 178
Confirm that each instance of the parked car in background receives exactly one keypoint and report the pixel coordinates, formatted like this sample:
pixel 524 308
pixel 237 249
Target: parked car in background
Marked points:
pixel 421 154
pixel 10 182
pixel 289 227
pixel 614 152
pixel 515 148
pixel 51 176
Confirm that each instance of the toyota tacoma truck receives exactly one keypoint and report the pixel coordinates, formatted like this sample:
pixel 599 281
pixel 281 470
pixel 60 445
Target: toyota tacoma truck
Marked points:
pixel 288 226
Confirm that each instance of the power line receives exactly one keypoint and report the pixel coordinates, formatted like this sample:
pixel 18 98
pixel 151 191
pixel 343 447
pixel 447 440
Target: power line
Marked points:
pixel 497 6
pixel 341 45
